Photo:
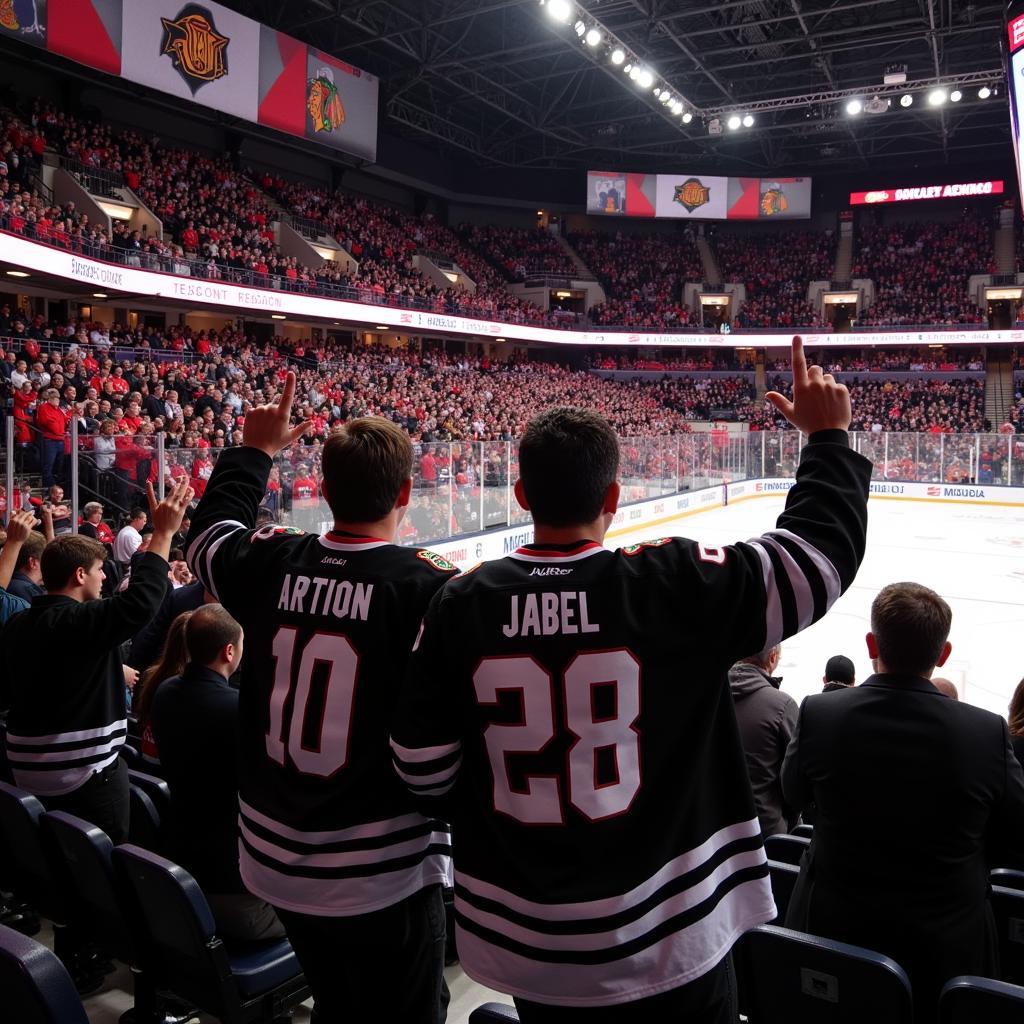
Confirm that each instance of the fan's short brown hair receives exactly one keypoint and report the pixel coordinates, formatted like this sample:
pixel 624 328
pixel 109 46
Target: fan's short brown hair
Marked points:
pixel 365 464
pixel 910 624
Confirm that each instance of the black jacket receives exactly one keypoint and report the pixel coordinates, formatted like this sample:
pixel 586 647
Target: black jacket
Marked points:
pixel 195 719
pixel 918 797
pixel 767 721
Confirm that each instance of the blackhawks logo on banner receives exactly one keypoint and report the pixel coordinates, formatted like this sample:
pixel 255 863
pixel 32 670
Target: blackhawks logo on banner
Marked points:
pixel 692 194
pixel 197 50
pixel 324 102
pixel 773 201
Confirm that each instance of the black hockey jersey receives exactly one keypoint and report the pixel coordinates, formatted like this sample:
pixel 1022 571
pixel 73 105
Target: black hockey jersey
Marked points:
pixel 325 826
pixel 572 706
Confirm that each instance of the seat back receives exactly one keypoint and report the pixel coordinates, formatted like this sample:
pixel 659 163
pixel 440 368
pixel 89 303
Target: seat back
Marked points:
pixel 494 1013
pixel 176 926
pixel 967 1000
pixel 783 878
pixel 34 986
pixel 1008 907
pixel 787 977
pixel 85 851
pixel 156 789
pixel 145 826
pixel 786 848
pixel 804 831
pixel 1008 878
pixel 158 809
pixel 28 865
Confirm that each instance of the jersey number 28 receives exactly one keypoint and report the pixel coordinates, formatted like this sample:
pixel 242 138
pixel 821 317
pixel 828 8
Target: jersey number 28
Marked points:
pixel 613 735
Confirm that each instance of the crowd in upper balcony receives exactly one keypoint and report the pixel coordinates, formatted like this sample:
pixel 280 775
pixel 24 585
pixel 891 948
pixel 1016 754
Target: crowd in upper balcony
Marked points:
pixel 520 252
pixel 921 271
pixel 776 270
pixel 642 276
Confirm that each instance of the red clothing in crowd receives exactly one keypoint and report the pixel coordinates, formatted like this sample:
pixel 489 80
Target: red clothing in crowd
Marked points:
pixel 304 489
pixel 52 420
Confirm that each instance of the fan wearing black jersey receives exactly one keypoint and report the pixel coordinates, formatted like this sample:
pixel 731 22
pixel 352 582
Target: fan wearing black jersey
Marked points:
pixel 571 707
pixel 328 834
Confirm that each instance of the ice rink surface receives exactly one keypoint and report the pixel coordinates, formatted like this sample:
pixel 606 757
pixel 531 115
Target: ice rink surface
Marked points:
pixel 973 555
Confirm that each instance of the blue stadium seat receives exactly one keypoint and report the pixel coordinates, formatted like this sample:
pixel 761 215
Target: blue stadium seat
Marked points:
pixel 786 848
pixel 804 831
pixel 494 1013
pixel 1008 907
pixel 144 824
pixel 97 905
pixel 783 878
pixel 1008 878
pixel 34 986
pixel 235 982
pixel 968 1000
pixel 787 977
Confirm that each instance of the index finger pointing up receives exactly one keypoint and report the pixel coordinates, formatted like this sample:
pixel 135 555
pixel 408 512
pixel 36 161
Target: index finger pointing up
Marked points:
pixel 284 404
pixel 799 362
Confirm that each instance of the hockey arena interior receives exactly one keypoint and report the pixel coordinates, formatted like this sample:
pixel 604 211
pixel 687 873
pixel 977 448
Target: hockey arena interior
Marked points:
pixel 556 467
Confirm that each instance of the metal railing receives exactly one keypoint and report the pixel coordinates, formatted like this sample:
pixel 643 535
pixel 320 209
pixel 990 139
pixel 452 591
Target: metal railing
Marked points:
pixel 462 488
pixel 98 181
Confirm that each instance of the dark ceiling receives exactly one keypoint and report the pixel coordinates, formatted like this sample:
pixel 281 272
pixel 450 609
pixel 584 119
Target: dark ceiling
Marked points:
pixel 500 80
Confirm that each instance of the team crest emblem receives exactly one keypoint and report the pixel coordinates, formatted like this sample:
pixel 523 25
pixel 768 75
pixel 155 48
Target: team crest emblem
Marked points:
pixel 635 549
pixel 323 101
pixel 693 193
pixel 774 201
pixel 437 561
pixel 9 16
pixel 197 50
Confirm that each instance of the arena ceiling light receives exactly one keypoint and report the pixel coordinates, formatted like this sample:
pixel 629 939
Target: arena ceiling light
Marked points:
pixel 984 92
pixel 593 37
pixel 99 295
pixel 16 273
pixel 677 108
pixel 278 316
pixel 559 10
pixel 618 55
pixel 687 117
pixel 937 97
pixel 645 79
pixel 580 29
pixel 906 100
pixel 748 121
pixel 956 96
pixel 734 122
pixel 854 107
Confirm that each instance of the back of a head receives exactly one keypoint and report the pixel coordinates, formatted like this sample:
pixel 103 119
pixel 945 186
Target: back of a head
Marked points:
pixel 365 464
pixel 840 669
pixel 910 624
pixel 33 547
pixel 64 555
pixel 210 629
pixel 568 458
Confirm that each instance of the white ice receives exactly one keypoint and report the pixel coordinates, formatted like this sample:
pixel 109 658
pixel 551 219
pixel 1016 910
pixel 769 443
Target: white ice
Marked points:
pixel 973 555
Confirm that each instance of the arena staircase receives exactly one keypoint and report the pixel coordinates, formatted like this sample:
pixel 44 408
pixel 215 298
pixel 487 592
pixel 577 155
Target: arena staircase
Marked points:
pixel 585 273
pixel 712 274
pixel 844 258
pixel 999 388
pixel 1005 254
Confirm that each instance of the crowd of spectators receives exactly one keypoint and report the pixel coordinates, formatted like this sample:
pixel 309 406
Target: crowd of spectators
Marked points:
pixel 879 360
pixel 642 276
pixel 519 252
pixel 776 270
pixel 688 359
pixel 920 271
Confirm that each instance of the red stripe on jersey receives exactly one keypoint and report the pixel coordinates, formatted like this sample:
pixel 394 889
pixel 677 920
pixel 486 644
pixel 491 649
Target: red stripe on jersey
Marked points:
pixel 543 552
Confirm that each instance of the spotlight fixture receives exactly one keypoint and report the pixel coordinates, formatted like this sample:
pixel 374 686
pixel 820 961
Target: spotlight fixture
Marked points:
pixel 657 93
pixel 906 100
pixel 748 121
pixel 645 79
pixel 937 97
pixel 560 10
pixel 593 37
pixel 579 28
pixel 854 107
pixel 956 96
pixel 984 92
pixel 278 316
pixel 677 106
pixel 634 73
pixel 734 122
pixel 666 96
pixel 687 117
pixel 618 55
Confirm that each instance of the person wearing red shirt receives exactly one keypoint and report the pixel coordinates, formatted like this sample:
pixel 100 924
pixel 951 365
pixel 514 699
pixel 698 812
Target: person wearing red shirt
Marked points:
pixel 190 238
pixel 202 469
pixel 428 469
pixel 118 384
pixel 52 422
pixel 131 421
pixel 24 399
pixel 127 456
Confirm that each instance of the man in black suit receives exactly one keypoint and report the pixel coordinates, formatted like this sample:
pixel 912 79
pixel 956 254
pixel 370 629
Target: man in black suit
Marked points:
pixel 917 797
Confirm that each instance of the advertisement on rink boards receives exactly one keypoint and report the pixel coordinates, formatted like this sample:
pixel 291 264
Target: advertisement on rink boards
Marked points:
pixel 199 294
pixel 697 196
pixel 205 53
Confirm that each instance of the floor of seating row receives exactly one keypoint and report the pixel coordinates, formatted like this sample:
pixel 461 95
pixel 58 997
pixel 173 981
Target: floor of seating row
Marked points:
pixel 107 1005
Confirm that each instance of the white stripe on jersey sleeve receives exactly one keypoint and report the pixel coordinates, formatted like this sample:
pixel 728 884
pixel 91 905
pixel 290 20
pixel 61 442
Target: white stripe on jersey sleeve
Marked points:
pixel 418 781
pixel 204 568
pixel 829 573
pixel 802 593
pixel 773 602
pixel 417 755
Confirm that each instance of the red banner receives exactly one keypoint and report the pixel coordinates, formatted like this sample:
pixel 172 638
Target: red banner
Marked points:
pixel 960 190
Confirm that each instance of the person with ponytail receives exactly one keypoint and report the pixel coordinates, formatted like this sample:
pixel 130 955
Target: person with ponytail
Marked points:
pixel 172 662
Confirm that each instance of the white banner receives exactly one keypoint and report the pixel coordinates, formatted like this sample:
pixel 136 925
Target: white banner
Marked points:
pixel 24 253
pixel 198 51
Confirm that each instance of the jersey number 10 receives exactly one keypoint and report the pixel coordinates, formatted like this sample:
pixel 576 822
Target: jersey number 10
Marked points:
pixel 614 735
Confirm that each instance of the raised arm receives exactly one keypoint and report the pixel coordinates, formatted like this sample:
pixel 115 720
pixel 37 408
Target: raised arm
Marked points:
pixel 18 529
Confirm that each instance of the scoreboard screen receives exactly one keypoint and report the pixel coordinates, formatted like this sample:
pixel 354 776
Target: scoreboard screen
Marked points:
pixel 1015 80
